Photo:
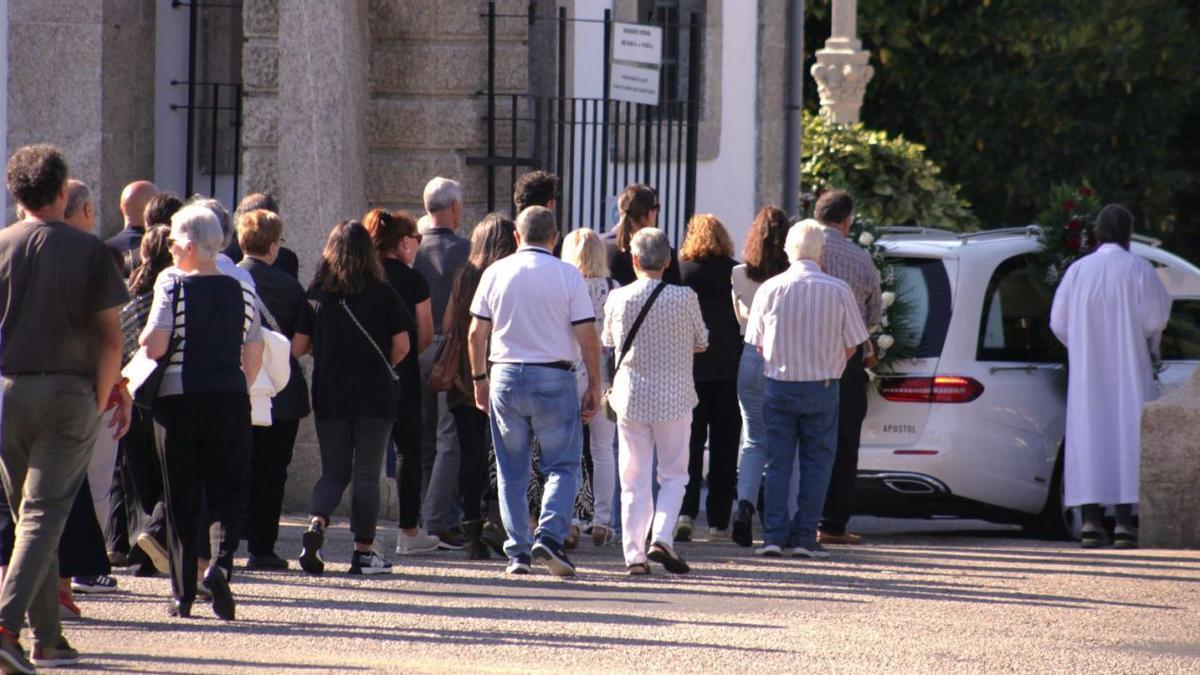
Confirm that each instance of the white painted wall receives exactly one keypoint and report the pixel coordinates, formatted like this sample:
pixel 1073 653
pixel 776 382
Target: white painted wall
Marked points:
pixel 5 217
pixel 725 185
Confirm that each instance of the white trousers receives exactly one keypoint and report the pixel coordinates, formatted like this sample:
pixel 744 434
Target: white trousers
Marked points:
pixel 603 434
pixel 640 512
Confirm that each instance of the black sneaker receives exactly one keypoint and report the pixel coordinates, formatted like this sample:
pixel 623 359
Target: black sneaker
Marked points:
pixel 266 562
pixel 222 598
pixel 519 565
pixel 552 554
pixel 55 657
pixel 310 555
pixel 743 524
pixel 102 583
pixel 369 562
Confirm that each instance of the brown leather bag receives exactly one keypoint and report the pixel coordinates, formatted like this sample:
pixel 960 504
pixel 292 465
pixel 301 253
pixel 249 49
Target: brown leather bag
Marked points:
pixel 445 373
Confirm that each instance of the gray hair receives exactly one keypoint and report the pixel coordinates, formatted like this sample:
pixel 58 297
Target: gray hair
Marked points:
pixel 78 194
pixel 442 193
pixel 805 241
pixel 536 225
pixel 198 224
pixel 651 248
pixel 218 209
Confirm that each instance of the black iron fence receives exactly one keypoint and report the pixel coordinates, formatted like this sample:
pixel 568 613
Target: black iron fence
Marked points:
pixel 597 146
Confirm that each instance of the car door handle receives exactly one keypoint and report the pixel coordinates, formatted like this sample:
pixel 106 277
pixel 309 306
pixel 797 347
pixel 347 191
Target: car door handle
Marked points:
pixel 1028 369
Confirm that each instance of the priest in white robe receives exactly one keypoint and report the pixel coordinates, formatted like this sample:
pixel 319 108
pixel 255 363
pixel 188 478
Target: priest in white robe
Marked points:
pixel 1109 311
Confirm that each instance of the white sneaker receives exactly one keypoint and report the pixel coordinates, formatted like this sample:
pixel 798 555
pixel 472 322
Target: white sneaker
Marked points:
pixel 769 551
pixel 715 534
pixel 416 543
pixel 369 563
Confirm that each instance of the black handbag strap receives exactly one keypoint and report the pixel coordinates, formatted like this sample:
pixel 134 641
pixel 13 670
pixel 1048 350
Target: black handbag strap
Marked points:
pixel 637 323
pixel 388 364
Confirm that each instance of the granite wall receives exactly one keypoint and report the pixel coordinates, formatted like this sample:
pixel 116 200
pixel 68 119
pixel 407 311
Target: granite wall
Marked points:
pixel 1169 510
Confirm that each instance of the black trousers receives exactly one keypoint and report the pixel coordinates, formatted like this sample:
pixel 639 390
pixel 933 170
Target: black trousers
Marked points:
pixel 852 410
pixel 406 436
pixel 717 421
pixel 141 479
pixel 81 549
pixel 269 462
pixel 204 447
pixel 472 426
pixel 116 528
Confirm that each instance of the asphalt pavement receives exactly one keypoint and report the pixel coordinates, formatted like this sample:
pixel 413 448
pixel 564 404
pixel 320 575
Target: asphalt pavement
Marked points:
pixel 918 596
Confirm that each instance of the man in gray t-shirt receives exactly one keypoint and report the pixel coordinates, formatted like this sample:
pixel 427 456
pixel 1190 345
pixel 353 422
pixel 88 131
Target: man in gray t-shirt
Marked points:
pixel 441 255
pixel 60 360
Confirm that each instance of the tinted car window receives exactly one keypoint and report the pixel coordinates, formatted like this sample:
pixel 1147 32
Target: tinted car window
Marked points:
pixel 1015 325
pixel 923 286
pixel 1181 339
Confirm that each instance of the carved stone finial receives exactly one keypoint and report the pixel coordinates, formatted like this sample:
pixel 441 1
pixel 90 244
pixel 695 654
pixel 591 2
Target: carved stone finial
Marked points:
pixel 842 70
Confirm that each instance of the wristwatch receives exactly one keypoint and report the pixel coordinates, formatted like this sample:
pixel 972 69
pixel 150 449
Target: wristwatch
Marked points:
pixel 481 376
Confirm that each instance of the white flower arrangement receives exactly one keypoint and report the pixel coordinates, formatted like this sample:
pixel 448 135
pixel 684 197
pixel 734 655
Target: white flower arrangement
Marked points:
pixel 885 341
pixel 866 239
pixel 888 298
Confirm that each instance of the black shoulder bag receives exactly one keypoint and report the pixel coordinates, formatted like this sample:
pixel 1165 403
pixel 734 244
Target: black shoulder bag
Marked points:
pixel 146 394
pixel 392 376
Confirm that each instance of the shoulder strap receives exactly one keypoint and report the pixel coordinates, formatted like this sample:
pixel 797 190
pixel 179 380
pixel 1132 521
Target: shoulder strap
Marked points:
pixel 391 371
pixel 173 342
pixel 637 323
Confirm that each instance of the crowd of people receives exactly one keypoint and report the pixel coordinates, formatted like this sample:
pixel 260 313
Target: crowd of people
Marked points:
pixel 514 383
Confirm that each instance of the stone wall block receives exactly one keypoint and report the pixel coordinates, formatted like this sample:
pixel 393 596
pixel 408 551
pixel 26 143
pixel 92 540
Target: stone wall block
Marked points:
pixel 56 11
pixel 260 17
pixel 426 123
pixel 395 18
pixel 260 171
pixel 260 67
pixel 260 121
pixel 446 68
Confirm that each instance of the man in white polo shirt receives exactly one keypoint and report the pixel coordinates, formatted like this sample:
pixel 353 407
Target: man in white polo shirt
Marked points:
pixel 806 324
pixel 537 314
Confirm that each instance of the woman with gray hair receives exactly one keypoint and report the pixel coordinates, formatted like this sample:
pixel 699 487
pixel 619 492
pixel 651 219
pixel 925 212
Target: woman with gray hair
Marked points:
pixel 207 326
pixel 655 329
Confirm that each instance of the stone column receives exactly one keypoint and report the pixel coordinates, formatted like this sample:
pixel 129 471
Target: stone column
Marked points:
pixel 82 78
pixel 1169 508
pixel 842 70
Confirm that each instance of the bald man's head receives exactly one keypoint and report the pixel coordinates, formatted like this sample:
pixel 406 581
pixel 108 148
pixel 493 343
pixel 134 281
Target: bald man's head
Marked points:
pixel 133 201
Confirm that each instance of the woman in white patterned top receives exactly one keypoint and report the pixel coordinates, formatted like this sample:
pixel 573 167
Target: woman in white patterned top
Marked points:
pixel 653 395
pixel 593 505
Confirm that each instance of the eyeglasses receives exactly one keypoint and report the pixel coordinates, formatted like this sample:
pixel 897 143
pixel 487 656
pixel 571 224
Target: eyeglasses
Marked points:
pixel 655 207
pixel 418 236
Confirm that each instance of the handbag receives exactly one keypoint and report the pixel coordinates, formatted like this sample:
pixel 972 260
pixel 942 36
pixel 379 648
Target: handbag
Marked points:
pixel 625 344
pixel 147 391
pixel 392 376
pixel 444 373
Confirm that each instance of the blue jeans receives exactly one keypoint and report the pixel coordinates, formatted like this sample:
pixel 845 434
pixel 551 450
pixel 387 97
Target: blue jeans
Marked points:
pixel 803 414
pixel 526 402
pixel 754 433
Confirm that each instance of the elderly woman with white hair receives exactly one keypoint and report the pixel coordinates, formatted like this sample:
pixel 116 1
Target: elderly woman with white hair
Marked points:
pixel 207 325
pixel 806 324
pixel 656 328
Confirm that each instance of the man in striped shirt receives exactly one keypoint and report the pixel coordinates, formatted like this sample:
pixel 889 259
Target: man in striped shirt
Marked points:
pixel 849 262
pixel 806 324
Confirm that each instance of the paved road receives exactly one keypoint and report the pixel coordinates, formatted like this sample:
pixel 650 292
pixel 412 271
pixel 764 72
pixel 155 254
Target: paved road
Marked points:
pixel 920 597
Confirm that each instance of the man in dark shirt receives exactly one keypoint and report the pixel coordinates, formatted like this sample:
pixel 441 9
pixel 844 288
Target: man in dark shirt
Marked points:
pixel 60 359
pixel 441 255
pixel 286 259
pixel 128 242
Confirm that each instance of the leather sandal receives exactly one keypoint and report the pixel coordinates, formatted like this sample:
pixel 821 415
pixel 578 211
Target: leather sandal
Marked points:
pixel 639 569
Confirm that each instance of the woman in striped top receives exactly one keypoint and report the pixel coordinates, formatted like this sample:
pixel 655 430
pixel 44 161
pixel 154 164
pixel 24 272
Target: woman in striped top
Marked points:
pixel 213 320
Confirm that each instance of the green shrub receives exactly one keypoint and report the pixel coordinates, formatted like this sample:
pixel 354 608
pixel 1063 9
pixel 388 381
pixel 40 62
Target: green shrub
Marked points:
pixel 891 180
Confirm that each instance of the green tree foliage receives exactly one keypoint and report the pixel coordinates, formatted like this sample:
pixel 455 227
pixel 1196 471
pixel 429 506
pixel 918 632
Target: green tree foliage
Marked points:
pixel 1013 96
pixel 890 179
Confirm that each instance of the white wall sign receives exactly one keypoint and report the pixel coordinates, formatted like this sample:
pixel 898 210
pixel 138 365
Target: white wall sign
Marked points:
pixel 636 84
pixel 636 43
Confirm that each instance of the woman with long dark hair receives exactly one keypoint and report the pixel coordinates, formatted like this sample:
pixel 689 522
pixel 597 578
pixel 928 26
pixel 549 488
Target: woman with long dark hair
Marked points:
pixel 396 241
pixel 357 328
pixel 492 239
pixel 763 257
pixel 638 206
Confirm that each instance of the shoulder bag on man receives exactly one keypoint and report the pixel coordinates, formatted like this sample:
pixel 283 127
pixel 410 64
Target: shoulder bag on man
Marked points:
pixel 392 376
pixel 625 344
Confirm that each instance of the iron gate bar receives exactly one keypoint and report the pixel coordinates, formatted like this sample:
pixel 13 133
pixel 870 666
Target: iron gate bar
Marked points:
pixel 212 155
pixel 562 104
pixel 693 103
pixel 512 174
pixel 237 146
pixel 603 149
pixel 491 107
pixel 678 175
pixel 193 23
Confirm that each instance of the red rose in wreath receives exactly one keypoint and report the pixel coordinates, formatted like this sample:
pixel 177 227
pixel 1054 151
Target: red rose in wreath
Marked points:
pixel 1075 225
pixel 1074 242
pixel 1068 205
pixel 1085 192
